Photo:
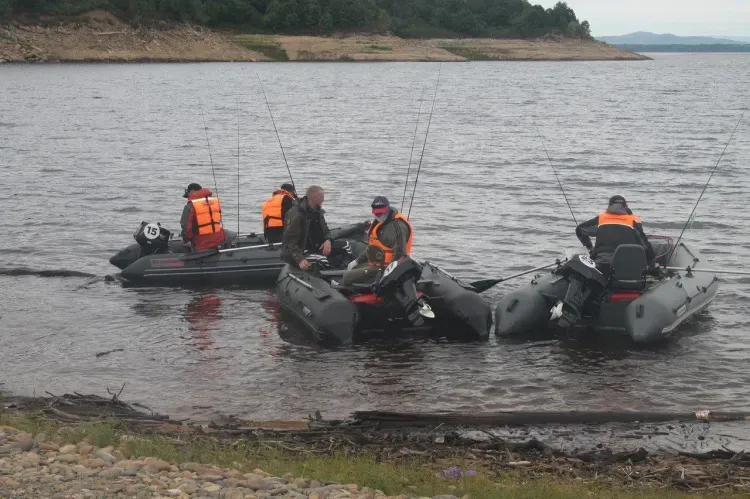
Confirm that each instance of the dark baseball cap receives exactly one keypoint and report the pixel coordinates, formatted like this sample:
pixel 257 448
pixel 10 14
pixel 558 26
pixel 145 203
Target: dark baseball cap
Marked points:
pixel 190 188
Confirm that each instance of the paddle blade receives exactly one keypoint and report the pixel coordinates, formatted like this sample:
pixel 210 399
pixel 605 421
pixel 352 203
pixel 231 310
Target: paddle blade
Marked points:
pixel 484 285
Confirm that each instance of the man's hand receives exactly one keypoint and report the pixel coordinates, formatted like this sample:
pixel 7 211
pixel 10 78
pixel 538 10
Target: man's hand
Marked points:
pixel 304 265
pixel 326 247
pixel 591 252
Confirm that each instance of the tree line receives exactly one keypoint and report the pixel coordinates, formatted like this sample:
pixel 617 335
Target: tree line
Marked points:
pixel 405 18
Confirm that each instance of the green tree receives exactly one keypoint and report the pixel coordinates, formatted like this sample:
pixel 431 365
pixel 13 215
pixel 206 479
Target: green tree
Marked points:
pixel 417 18
pixel 585 30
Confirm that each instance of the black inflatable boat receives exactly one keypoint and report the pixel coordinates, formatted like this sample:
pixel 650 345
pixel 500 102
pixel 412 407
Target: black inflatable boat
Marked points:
pixel 629 300
pixel 157 259
pixel 406 296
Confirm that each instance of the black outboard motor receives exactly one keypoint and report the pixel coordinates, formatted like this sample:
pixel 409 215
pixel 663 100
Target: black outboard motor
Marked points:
pixel 397 285
pixel 152 238
pixel 586 282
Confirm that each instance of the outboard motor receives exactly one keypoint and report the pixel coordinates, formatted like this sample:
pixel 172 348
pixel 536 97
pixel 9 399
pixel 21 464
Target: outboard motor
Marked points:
pixel 585 281
pixel 152 238
pixel 397 285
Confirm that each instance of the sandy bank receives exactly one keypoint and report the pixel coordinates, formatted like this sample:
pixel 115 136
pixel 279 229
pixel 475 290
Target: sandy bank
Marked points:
pixel 100 37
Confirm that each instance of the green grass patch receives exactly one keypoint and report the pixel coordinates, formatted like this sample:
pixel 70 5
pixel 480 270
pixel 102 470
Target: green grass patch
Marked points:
pixel 414 477
pixel 265 46
pixel 469 53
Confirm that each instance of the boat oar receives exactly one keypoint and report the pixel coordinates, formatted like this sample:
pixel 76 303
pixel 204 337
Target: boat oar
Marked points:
pixel 711 271
pixel 484 285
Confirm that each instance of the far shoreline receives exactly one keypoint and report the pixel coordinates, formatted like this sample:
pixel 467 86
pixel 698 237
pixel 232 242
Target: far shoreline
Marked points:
pixel 99 37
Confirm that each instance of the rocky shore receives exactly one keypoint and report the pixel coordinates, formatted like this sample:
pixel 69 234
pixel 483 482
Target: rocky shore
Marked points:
pixel 98 36
pixel 32 467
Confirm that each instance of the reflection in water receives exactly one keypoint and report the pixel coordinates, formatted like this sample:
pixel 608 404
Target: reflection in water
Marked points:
pixel 202 313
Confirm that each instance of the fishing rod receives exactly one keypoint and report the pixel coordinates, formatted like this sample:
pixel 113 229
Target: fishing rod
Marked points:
pixel 238 167
pixel 421 157
pixel 706 186
pixel 413 142
pixel 556 175
pixel 277 132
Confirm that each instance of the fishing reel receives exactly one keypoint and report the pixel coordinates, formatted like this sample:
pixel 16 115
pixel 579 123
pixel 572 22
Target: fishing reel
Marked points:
pixel 318 263
pixel 152 238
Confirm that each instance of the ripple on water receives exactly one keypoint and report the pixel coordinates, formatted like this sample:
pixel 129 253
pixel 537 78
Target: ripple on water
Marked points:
pixel 487 204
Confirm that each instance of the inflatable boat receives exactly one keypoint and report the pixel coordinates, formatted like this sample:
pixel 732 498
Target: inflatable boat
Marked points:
pixel 407 296
pixel 646 305
pixel 158 259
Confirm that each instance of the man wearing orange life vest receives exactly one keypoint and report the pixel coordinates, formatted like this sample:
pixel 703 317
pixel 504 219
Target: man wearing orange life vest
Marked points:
pixel 201 219
pixel 390 238
pixel 613 227
pixel 274 212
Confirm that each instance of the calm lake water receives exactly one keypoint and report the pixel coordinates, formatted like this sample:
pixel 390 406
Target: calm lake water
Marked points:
pixel 89 151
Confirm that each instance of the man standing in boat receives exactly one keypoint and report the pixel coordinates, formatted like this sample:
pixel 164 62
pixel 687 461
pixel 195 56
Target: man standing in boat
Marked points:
pixel 305 229
pixel 274 212
pixel 201 219
pixel 390 238
pixel 612 228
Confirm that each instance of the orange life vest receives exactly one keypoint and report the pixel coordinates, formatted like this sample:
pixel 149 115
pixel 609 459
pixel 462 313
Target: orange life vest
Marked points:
pixel 606 218
pixel 208 215
pixel 376 247
pixel 271 211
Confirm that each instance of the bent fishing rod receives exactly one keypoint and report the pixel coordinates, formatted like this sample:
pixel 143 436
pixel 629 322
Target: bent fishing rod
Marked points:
pixel 424 145
pixel 556 175
pixel 716 166
pixel 210 156
pixel 278 137
pixel 413 142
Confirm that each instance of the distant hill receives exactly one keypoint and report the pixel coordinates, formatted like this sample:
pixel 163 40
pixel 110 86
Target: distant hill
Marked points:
pixel 714 47
pixel 646 38
pixel 745 39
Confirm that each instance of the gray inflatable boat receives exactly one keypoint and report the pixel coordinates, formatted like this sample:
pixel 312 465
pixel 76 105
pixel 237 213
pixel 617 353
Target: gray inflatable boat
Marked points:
pixel 247 260
pixel 407 297
pixel 645 307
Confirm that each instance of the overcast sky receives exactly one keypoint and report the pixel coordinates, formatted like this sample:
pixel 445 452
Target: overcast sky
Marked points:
pixel 680 17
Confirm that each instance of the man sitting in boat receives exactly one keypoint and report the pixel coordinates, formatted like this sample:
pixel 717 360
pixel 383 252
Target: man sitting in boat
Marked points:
pixel 274 211
pixel 391 238
pixel 201 219
pixel 306 230
pixel 613 227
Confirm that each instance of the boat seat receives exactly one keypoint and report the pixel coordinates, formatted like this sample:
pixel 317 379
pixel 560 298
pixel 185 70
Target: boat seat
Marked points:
pixel 628 267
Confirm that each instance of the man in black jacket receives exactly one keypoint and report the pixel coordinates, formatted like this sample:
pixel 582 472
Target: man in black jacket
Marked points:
pixel 613 227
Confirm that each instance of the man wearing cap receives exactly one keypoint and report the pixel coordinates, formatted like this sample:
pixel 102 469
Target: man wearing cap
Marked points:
pixel 305 229
pixel 390 238
pixel 274 212
pixel 201 219
pixel 613 227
